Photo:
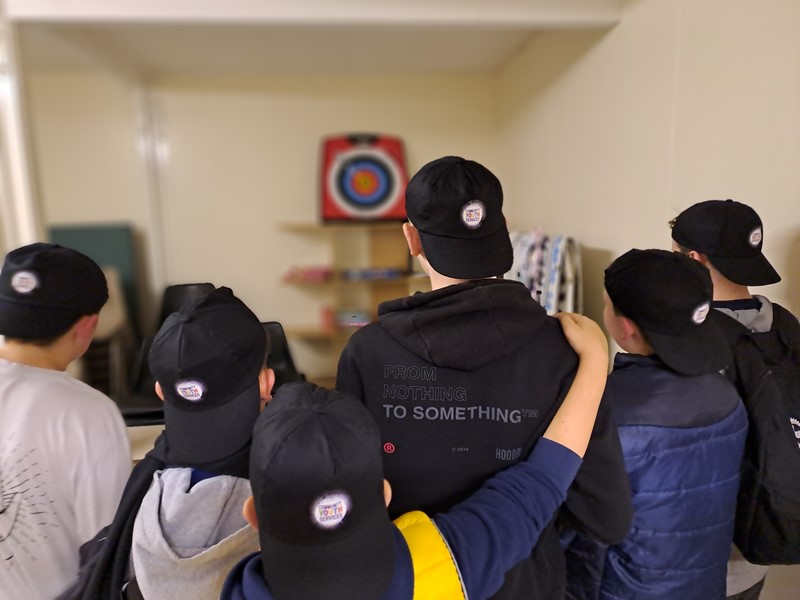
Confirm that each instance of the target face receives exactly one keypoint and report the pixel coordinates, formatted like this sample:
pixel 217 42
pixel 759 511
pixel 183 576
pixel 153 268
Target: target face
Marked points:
pixel 364 178
pixel 363 181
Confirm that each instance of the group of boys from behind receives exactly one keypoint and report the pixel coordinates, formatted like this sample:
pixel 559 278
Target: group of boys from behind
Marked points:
pixel 478 408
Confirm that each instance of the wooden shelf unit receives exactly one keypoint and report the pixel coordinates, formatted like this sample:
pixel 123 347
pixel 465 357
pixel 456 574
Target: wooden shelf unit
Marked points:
pixel 357 246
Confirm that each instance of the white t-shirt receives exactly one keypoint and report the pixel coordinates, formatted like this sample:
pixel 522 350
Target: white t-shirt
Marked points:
pixel 64 460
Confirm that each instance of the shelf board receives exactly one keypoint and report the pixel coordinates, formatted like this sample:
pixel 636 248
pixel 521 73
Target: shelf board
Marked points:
pixel 310 334
pixel 341 227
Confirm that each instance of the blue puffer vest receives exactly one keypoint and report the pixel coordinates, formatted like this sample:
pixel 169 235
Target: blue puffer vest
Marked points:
pixel 683 439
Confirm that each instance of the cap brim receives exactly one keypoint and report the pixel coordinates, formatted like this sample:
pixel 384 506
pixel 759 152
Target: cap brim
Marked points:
pixel 751 270
pixel 704 350
pixel 359 565
pixel 211 435
pixel 472 258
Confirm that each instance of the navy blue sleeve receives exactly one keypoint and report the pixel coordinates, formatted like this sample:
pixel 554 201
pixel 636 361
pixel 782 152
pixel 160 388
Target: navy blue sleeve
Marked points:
pixel 498 526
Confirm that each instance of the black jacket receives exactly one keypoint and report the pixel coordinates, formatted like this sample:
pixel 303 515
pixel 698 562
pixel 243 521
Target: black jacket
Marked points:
pixel 463 381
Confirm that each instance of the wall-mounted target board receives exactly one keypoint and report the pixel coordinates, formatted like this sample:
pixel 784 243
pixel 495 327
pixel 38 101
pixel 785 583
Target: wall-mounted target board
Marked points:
pixel 364 178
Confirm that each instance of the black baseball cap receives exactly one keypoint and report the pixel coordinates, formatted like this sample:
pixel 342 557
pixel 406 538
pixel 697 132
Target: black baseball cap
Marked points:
pixel 46 288
pixel 457 207
pixel 207 358
pixel 316 472
pixel 731 235
pixel 668 295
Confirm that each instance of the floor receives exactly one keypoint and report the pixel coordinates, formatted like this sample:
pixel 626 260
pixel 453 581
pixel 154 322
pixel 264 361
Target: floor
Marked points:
pixel 783 582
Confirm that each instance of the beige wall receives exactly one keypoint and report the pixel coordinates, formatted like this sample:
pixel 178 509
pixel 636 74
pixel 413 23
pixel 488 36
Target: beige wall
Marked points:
pixel 244 158
pixel 86 143
pixel 608 136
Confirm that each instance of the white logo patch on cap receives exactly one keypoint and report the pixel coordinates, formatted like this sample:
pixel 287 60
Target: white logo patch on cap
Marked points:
pixel 329 510
pixel 24 282
pixel 700 313
pixel 795 427
pixel 190 389
pixel 755 237
pixel 473 214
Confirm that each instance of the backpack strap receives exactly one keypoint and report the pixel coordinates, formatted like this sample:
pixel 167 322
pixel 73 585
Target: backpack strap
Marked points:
pixel 734 333
pixel 788 328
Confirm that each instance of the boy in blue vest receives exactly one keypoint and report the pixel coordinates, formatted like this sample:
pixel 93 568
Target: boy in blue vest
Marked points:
pixel 682 426
pixel 319 500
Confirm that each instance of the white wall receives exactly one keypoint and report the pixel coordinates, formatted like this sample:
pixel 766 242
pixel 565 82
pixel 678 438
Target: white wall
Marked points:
pixel 608 136
pixel 89 168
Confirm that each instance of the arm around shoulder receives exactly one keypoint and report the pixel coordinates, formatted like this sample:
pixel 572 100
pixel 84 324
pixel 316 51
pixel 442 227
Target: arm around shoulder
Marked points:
pixel 500 523
pixel 573 423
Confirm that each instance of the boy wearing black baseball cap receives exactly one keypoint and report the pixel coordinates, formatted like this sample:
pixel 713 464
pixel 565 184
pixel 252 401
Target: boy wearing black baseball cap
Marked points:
pixel 682 427
pixel 728 237
pixel 319 500
pixel 64 453
pixel 179 523
pixel 463 380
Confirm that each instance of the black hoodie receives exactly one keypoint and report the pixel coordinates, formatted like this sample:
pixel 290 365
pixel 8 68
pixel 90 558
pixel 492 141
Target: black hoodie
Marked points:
pixel 463 381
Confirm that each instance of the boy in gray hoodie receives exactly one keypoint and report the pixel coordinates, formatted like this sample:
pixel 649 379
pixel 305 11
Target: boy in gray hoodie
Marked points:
pixel 179 529
pixel 209 361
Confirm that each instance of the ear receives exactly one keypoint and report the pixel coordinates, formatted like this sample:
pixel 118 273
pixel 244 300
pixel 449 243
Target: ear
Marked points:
pixel 85 326
pixel 412 239
pixel 387 492
pixel 701 258
pixel 629 328
pixel 159 391
pixel 249 512
pixel 266 381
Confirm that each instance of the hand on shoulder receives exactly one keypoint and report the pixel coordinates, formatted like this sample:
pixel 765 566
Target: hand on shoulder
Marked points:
pixel 585 336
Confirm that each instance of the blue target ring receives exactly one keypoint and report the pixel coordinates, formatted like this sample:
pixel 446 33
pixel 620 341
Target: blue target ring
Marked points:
pixel 364 182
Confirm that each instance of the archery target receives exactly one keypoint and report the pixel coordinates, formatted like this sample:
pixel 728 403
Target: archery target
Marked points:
pixel 364 182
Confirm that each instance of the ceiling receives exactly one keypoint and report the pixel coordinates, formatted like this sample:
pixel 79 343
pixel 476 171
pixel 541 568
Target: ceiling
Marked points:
pixel 157 38
pixel 154 50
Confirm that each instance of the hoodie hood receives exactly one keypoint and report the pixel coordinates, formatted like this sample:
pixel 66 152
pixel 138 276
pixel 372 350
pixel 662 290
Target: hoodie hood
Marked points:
pixel 759 320
pixel 441 326
pixel 185 541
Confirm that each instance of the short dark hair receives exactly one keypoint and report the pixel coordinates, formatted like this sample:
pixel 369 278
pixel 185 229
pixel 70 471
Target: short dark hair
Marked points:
pixel 40 343
pixel 49 340
pixel 619 313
